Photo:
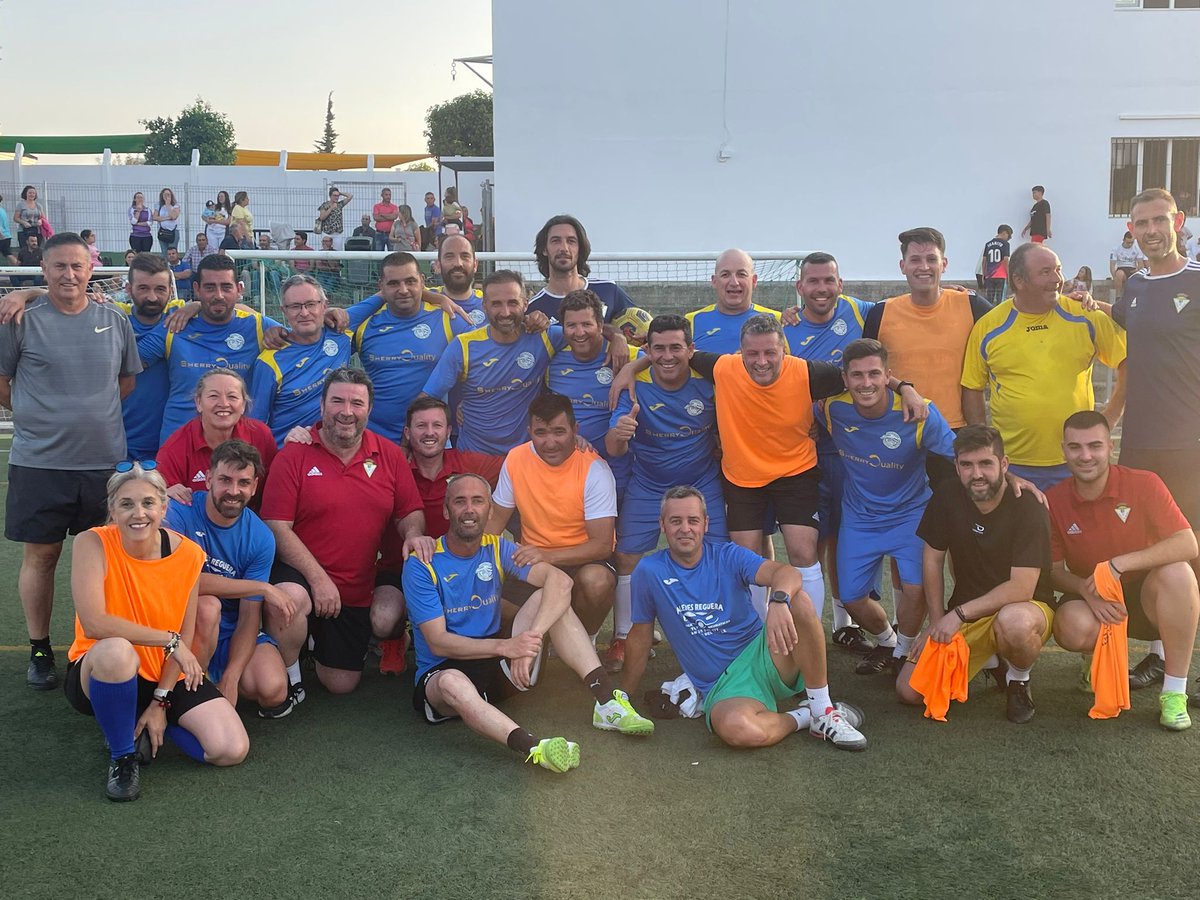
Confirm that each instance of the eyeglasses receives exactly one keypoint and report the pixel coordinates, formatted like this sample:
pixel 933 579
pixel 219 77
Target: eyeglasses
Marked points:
pixel 126 465
pixel 310 306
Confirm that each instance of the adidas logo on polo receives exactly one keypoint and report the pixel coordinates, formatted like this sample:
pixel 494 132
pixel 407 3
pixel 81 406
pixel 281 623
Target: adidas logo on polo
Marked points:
pixel 1074 529
pixel 314 471
pixel 198 477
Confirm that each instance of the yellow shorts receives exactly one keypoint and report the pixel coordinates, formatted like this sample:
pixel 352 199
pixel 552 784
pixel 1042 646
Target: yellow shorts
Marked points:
pixel 981 638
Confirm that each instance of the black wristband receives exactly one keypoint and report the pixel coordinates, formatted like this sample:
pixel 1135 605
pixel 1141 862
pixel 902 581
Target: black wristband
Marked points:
pixel 958 612
pixel 901 385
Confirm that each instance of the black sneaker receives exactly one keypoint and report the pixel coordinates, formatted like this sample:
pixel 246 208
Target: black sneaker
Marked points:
pixel 898 664
pixel 1020 702
pixel 294 698
pixel 852 638
pixel 41 674
pixel 1147 673
pixel 878 660
pixel 124 779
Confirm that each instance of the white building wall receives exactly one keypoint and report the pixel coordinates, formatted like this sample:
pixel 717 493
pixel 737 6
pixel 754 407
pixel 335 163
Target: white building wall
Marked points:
pixel 846 122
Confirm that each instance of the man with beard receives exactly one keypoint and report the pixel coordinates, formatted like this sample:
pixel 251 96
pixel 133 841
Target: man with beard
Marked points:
pixel 142 410
pixel 500 368
pixel 464 667
pixel 1001 548
pixel 820 328
pixel 241 660
pixel 63 371
pixel 224 334
pixel 456 262
pixel 399 339
pixel 562 249
pixel 328 504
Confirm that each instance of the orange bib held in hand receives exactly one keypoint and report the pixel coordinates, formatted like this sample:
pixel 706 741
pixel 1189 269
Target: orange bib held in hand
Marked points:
pixel 1110 664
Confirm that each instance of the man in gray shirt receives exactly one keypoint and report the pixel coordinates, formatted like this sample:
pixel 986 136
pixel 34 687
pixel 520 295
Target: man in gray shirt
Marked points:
pixel 63 372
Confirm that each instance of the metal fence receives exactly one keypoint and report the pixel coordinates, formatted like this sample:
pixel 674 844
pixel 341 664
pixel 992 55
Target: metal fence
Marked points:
pixel 104 208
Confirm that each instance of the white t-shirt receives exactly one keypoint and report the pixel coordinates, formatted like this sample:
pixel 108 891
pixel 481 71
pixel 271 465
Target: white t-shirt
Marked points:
pixel 1126 257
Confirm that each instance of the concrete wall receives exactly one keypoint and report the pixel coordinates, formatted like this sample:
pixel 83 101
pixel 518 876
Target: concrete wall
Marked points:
pixel 843 123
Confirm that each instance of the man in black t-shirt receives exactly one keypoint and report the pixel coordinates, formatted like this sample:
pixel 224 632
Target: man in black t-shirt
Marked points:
pixel 1038 228
pixel 1001 548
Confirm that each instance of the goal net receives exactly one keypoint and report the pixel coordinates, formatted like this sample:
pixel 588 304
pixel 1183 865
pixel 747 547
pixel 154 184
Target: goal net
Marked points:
pixel 657 282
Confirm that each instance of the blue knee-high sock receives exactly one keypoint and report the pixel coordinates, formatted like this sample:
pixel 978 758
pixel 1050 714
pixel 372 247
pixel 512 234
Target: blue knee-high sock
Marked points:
pixel 186 741
pixel 115 707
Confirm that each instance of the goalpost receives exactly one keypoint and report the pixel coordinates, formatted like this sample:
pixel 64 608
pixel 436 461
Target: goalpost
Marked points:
pixel 667 282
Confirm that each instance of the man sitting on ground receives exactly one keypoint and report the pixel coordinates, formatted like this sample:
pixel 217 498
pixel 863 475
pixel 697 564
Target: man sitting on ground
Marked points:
pixel 1126 517
pixel 1000 544
pixel 700 594
pixel 464 666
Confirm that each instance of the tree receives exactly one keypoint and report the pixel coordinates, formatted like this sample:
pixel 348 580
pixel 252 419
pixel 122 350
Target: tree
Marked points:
pixel 170 141
pixel 422 165
pixel 460 127
pixel 328 141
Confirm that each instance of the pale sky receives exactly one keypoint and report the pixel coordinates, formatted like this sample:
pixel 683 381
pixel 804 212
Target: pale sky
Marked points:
pixel 76 67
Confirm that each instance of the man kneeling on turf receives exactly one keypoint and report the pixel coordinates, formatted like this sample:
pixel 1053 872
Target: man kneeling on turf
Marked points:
pixel 1126 517
pixel 1000 544
pixel 464 666
pixel 240 658
pixel 700 594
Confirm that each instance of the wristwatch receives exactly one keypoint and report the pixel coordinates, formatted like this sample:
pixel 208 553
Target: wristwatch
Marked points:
pixel 903 384
pixel 780 597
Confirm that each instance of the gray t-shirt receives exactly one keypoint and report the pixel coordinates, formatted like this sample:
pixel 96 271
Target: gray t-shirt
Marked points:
pixel 65 393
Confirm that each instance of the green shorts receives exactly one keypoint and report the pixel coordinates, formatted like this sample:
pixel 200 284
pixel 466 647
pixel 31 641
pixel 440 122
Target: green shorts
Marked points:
pixel 752 676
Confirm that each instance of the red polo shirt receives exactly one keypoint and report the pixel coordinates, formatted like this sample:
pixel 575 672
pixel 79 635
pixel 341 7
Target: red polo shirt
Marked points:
pixel 341 512
pixel 1134 512
pixel 433 495
pixel 184 458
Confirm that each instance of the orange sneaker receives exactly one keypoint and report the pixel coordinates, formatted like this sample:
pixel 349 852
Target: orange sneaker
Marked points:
pixel 393 661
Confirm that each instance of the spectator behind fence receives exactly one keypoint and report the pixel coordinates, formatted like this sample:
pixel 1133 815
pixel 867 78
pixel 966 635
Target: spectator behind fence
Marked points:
pixel 236 238
pixel 167 218
pixel 300 244
pixel 5 233
pixel 29 215
pixel 241 213
pixel 89 236
pixel 433 222
pixel 328 271
pixel 329 216
pixel 30 254
pixel 199 250
pixel 217 219
pixel 385 213
pixel 140 239
pixel 406 233
pixel 364 229
pixel 451 212
pixel 1081 282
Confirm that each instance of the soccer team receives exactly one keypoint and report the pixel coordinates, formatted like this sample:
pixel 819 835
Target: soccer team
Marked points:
pixel 856 430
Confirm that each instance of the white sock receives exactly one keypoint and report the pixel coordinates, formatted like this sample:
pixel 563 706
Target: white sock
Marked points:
pixel 814 586
pixel 1171 683
pixel 293 672
pixel 593 637
pixel 1015 674
pixel 622 607
pixel 885 638
pixel 1156 648
pixel 841 616
pixel 904 644
pixel 758 599
pixel 802 717
pixel 818 699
